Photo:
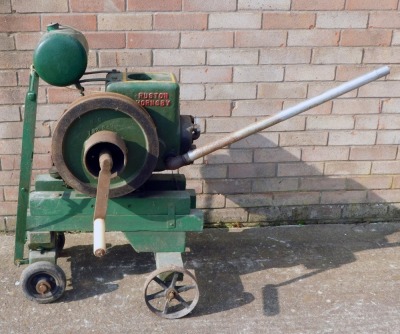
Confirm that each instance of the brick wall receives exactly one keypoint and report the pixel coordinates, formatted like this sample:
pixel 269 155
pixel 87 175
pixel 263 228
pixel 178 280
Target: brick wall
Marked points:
pixel 237 61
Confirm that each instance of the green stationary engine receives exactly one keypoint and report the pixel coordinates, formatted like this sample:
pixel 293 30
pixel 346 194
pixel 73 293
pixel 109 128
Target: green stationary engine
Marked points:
pixel 107 149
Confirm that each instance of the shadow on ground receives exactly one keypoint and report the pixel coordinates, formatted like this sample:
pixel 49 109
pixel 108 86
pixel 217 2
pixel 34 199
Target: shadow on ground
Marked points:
pixel 221 258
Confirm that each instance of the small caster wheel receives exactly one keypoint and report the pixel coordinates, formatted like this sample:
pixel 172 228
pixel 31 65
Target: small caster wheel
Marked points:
pixel 171 292
pixel 43 282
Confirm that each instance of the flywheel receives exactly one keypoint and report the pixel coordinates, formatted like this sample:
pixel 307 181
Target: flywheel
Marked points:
pixel 110 122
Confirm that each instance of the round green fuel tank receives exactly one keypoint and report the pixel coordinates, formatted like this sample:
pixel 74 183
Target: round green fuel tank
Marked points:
pixel 61 55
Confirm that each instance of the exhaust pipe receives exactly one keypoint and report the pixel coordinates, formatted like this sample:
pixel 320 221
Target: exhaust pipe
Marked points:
pixel 190 156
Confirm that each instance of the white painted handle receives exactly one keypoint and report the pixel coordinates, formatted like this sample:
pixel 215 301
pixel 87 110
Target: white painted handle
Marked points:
pixel 99 237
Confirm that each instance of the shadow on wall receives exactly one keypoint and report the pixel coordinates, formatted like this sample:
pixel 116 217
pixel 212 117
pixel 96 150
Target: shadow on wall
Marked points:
pixel 275 186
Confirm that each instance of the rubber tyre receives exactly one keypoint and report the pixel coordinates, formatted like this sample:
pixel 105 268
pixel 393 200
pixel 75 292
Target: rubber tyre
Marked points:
pixel 49 272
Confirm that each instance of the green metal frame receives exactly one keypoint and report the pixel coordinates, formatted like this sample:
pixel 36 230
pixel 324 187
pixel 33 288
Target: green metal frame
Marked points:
pixel 28 137
pixel 154 219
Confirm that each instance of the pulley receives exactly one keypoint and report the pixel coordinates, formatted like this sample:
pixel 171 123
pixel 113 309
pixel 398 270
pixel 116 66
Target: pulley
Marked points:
pixel 105 122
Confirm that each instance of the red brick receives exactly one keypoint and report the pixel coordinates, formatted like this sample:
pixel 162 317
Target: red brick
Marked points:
pixel 5 6
pixel 362 37
pixel 330 122
pixel 125 58
pixel 238 20
pixel 249 200
pixel 371 4
pixel 258 73
pixel 292 55
pixel 124 22
pixel 309 72
pixel 206 108
pixel 255 38
pixel 21 59
pixel 382 55
pixel 324 153
pixel 313 37
pixel 207 39
pixel 282 90
pixel 83 22
pixel 322 183
pixel 275 184
pixel 27 40
pixel 348 168
pixel 296 198
pixel 106 40
pixel 209 6
pixel 318 5
pixel 42 161
pixel 232 57
pixel 343 197
pixel 42 6
pixel 231 215
pixel 334 20
pixel 300 169
pixel 257 107
pixel 206 74
pixel 6 42
pixel 9 113
pixel 356 106
pixel 204 171
pixel 384 196
pixel 227 156
pixel 352 138
pixel 243 171
pixel 8 78
pixel 264 5
pixel 10 162
pixel 371 153
pixel 337 55
pixel 231 91
pixel 95 6
pixel 179 57
pixel 384 19
pixel 154 5
pixel 385 167
pixel 12 95
pixel 180 21
pixel 153 40
pixel 309 138
pixel 235 186
pixel 8 208
pixel 366 122
pixel 288 20
pixel 62 95
pixel 192 92
pixel 348 72
pixel 380 89
pixel 222 124
pixel 10 146
pixel 388 138
pixel 18 23
pixel 210 201
pixel 11 193
pixel 10 130
pixel 369 182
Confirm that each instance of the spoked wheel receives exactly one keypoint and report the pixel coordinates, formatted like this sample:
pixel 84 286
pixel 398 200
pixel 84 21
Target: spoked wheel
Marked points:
pixel 171 292
pixel 43 282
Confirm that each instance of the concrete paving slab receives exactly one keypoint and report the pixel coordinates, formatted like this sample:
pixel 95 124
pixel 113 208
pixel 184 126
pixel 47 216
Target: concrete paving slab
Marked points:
pixel 293 279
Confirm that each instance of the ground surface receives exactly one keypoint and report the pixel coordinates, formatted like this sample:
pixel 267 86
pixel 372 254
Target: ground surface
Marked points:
pixel 305 279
